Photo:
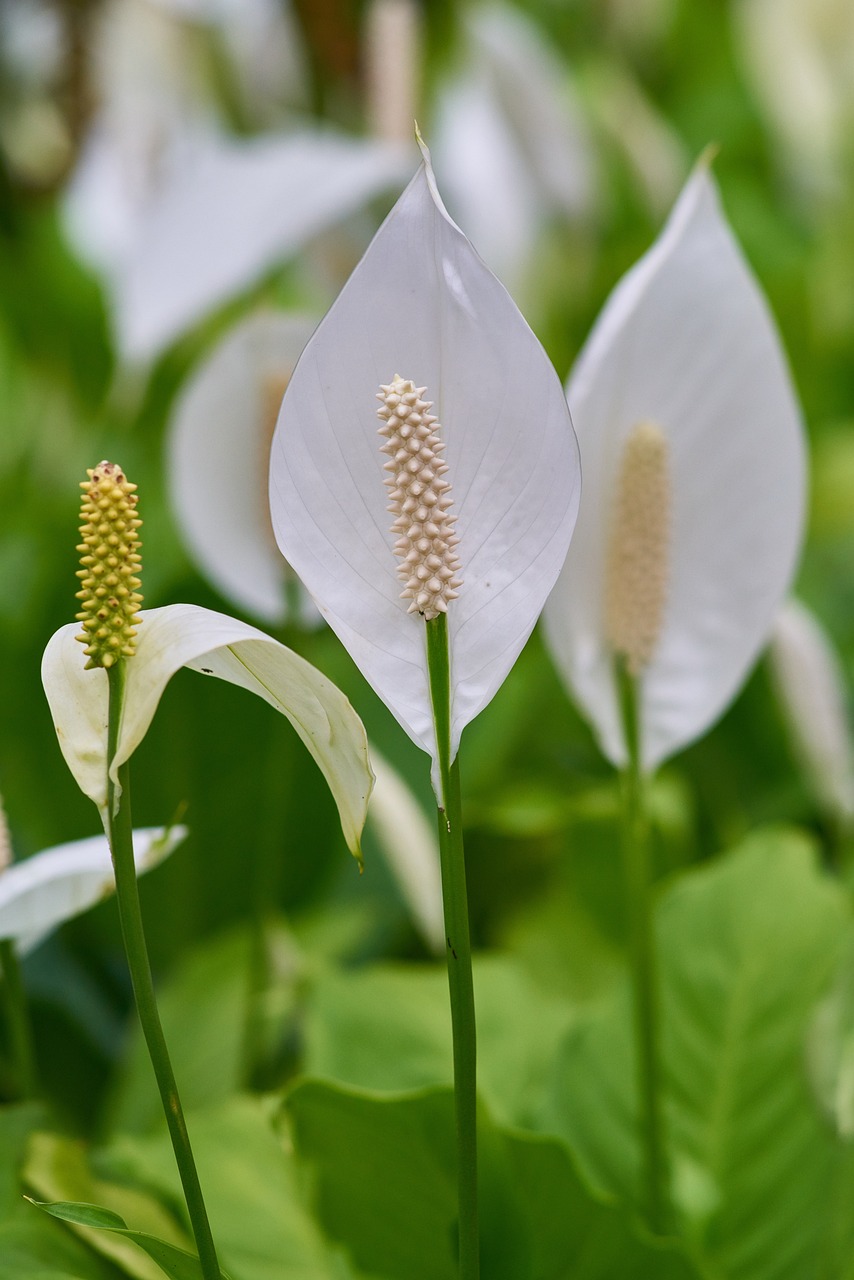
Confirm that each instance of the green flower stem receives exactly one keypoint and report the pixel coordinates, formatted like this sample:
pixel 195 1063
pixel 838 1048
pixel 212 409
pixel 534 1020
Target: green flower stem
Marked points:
pixel 20 1030
pixel 127 892
pixel 455 902
pixel 643 962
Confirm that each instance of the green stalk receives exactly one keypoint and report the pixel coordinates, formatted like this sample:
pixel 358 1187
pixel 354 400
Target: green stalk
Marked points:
pixel 455 903
pixel 643 962
pixel 20 1030
pixel 120 834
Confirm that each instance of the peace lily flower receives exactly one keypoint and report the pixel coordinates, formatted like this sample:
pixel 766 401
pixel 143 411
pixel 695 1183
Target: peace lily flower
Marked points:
pixel 811 688
pixel 423 306
pixel 155 644
pixel 217 464
pixel 43 891
pixel 511 140
pixel 177 215
pixel 693 455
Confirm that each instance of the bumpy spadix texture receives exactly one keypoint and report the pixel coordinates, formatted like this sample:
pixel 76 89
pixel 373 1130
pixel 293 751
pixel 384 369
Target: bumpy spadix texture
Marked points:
pixel 420 499
pixel 109 555
pixel 637 556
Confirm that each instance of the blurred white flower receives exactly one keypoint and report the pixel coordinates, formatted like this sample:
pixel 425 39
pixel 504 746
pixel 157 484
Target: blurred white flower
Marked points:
pixel 410 845
pixel 811 689
pixel 421 304
pixel 179 217
pixel 510 140
pixel 57 884
pixel 690 433
pixel 183 635
pixel 218 462
pixel 800 56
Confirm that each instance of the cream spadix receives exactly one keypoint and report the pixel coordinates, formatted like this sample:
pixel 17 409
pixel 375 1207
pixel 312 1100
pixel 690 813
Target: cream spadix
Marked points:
pixel 685 342
pixel 421 304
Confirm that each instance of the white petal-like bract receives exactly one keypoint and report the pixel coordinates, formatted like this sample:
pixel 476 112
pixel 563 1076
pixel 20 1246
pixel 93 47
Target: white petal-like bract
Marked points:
pixel 41 892
pixel 422 304
pixel 218 463
pixel 235 210
pixel 685 342
pixel 182 635
pixel 811 688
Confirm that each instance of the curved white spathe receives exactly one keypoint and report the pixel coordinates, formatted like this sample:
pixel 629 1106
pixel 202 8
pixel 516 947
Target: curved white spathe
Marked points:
pixel 423 305
pixel 811 688
pixel 234 210
pixel 43 891
pixel 182 635
pixel 218 460
pixel 686 341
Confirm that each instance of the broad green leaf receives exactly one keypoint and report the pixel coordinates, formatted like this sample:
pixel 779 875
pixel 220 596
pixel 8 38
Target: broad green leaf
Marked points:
pixel 16 1125
pixel 58 1170
pixel 383 1172
pixel 389 1028
pixel 177 1264
pixel 34 1247
pixel 745 947
pixel 262 1229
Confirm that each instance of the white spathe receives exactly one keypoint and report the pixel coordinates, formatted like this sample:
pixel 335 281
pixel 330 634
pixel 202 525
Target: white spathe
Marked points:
pixel 422 304
pixel 234 210
pixel 410 845
pixel 511 141
pixel 218 460
pixel 811 688
pixel 685 341
pixel 43 891
pixel 186 635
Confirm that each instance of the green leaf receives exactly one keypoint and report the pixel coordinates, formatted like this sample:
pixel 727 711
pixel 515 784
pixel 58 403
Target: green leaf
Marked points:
pixel 745 947
pixel 389 1028
pixel 58 1169
pixel 176 1263
pixel 262 1228
pixel 203 1004
pixel 384 1175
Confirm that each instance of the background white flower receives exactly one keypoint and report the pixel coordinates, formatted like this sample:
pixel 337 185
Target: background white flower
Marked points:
pixel 686 342
pixel 218 461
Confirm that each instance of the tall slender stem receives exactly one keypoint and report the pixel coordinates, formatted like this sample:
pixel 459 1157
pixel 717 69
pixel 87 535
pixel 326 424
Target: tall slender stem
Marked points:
pixel 20 1029
pixel 643 962
pixel 120 833
pixel 455 904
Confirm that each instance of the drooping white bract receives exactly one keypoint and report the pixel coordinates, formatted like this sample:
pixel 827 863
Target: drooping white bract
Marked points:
pixel 55 885
pixel 218 461
pixel 423 306
pixel 184 635
pixel 685 343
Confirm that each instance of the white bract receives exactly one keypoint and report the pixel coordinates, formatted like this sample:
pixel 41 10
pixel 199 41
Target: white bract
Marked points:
pixel 218 462
pixel 511 142
pixel 55 885
pixel 685 348
pixel 185 635
pixel 811 688
pixel 410 845
pixel 421 304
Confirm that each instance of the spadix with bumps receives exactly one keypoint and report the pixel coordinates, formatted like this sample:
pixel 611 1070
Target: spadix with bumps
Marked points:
pixel 378 538
pixel 420 499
